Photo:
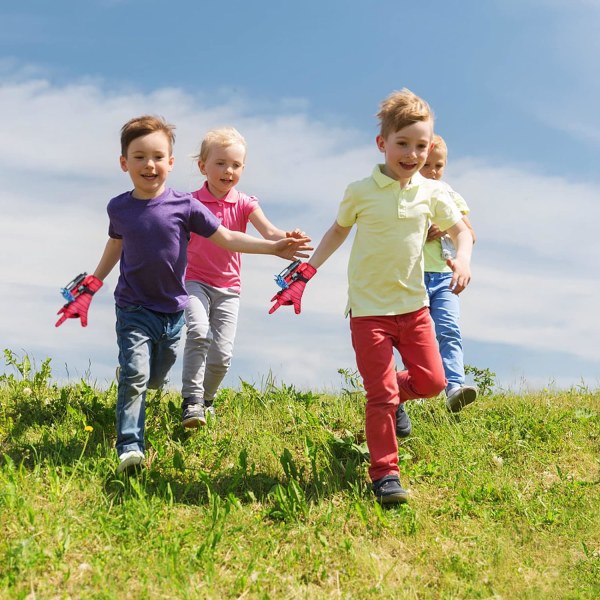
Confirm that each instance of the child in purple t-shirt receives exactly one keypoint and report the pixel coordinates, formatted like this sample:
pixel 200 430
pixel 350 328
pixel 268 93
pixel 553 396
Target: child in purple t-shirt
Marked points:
pixel 148 233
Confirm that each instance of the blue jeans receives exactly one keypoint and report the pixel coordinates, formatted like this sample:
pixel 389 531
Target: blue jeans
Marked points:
pixel 445 312
pixel 147 343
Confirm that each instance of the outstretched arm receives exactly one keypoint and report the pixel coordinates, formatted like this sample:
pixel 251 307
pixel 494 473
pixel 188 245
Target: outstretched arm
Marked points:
pixel 236 241
pixel 270 232
pixel 334 237
pixel 264 226
pixel 292 294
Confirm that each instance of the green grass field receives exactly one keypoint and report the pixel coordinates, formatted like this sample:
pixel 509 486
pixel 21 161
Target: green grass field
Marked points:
pixel 272 500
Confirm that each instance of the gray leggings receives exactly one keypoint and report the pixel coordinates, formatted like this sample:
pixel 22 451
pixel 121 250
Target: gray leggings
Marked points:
pixel 211 319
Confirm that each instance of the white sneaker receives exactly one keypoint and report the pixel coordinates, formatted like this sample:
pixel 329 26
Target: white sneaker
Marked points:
pixel 132 458
pixel 460 397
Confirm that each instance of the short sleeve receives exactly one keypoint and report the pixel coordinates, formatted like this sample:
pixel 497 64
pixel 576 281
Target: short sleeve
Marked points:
pixel 202 221
pixel 347 212
pixel 112 232
pixel 444 209
pixel 460 202
pixel 250 204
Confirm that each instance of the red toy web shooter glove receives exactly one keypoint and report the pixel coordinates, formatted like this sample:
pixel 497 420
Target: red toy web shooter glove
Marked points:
pixel 79 294
pixel 294 278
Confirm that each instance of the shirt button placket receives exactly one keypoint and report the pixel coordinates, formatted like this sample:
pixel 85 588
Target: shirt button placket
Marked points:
pixel 401 205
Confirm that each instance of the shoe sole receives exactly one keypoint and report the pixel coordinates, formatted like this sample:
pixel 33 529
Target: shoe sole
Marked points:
pixel 193 422
pixel 393 499
pixel 461 400
pixel 132 461
pixel 402 433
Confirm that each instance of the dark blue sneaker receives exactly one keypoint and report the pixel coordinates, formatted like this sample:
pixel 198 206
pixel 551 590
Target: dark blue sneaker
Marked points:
pixel 193 415
pixel 403 424
pixel 388 490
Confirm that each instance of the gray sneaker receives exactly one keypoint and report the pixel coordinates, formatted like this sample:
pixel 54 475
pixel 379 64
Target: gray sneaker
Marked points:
pixel 193 415
pixel 460 397
pixel 209 411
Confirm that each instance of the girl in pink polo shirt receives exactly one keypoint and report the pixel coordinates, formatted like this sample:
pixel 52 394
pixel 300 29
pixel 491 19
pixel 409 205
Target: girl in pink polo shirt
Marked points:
pixel 213 273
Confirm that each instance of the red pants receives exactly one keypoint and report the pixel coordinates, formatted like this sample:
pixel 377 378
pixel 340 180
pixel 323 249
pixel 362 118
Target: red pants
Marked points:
pixel 374 340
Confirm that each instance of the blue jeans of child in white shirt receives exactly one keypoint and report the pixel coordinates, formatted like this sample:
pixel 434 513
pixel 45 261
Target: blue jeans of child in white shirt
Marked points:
pixel 147 343
pixel 445 313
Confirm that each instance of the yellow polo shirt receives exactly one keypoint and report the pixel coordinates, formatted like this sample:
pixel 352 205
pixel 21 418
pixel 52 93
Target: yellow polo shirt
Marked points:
pixel 432 251
pixel 385 270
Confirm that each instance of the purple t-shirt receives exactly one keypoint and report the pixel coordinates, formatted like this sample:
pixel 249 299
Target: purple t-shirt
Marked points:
pixel 155 236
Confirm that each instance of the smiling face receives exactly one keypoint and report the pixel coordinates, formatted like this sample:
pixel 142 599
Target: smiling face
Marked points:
pixel 148 163
pixel 435 164
pixel 406 150
pixel 223 168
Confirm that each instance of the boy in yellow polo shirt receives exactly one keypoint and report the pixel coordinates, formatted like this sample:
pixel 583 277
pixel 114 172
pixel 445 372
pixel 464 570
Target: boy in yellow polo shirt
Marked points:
pixel 387 300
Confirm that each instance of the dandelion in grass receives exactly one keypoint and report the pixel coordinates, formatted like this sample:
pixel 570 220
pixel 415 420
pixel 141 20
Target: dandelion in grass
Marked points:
pixel 89 428
pixel 497 460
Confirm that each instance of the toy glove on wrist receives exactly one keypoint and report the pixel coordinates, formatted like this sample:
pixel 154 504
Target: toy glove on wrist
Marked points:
pixel 293 294
pixel 78 308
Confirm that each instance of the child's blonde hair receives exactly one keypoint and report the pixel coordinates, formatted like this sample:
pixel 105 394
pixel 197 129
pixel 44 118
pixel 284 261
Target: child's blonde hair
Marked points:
pixel 401 109
pixel 145 125
pixel 224 136
pixel 439 144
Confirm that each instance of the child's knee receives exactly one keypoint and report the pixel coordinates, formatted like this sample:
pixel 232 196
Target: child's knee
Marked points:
pixel 432 387
pixel 198 335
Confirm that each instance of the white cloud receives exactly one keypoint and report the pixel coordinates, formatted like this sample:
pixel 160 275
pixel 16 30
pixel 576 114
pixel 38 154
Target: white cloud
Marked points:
pixel 532 262
pixel 531 267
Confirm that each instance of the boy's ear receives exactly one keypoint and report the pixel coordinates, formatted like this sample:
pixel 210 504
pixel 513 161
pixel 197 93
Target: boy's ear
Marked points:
pixel 123 163
pixel 380 143
pixel 202 167
pixel 171 162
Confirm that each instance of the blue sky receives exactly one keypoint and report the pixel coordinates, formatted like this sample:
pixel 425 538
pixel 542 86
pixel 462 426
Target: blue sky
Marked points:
pixel 514 90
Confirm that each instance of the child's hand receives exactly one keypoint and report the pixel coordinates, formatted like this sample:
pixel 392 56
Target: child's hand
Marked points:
pixel 292 295
pixel 78 308
pixel 461 274
pixel 435 233
pixel 291 248
pixel 297 233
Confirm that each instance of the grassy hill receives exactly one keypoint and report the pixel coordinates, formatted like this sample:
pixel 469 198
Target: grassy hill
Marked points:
pixel 272 499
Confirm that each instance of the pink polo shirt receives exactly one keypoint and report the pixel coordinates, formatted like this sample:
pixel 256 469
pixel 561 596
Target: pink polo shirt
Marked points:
pixel 206 261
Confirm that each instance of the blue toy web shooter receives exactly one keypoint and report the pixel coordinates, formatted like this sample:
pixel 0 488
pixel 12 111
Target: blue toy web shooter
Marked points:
pixel 71 291
pixel 286 276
